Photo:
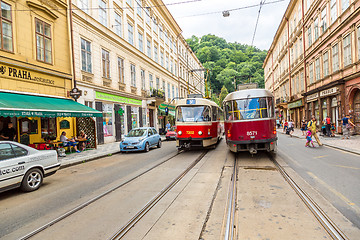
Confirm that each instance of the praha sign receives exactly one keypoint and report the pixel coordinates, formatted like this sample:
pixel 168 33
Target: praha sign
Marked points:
pixel 23 74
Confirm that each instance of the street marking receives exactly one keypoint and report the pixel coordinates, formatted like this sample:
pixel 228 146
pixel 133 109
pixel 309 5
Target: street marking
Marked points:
pixel 321 156
pixel 347 167
pixel 290 158
pixel 342 197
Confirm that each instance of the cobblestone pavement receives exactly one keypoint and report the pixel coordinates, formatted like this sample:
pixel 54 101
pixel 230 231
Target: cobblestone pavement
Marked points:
pixel 350 145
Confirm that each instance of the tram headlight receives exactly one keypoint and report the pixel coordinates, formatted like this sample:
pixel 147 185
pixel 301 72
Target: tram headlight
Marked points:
pixel 179 132
pixel 200 133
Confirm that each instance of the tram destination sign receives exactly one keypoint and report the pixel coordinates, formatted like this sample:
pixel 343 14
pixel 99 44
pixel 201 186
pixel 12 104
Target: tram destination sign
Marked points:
pixel 190 101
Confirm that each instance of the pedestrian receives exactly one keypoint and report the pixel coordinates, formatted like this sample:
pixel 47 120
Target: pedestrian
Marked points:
pixel 286 124
pixel 309 139
pixel 312 127
pixel 277 123
pixel 346 126
pixel 168 126
pixel 328 126
pixel 8 133
pixel 291 127
pixel 303 127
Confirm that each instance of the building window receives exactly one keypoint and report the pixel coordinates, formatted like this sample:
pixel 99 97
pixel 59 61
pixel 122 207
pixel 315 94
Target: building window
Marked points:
pixel 347 50
pixel 156 57
pixel 162 58
pixel 311 73
pixel 335 57
pixel 138 8
pixel 333 11
pixel 141 42
pixel 326 63
pixel 6 39
pixel 358 35
pixel 163 87
pixel 161 32
pixel 142 75
pixel 302 81
pixel 105 55
pixel 151 82
pixel 85 55
pixel 169 91
pixel 309 37
pixel 171 66
pixel 317 69
pixel 121 70
pixel 118 24
pixel 323 20
pixel 157 83
pixel 297 84
pixel 43 41
pixel 147 12
pixel 83 5
pixel 102 13
pixel 148 47
pixel 130 34
pixel 133 75
pixel 173 91
pixel 167 62
pixel 130 2
pixel 316 28
pixel 344 5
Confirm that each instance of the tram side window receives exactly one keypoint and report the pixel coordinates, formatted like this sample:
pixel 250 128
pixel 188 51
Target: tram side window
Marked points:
pixel 228 111
pixel 271 107
pixel 214 113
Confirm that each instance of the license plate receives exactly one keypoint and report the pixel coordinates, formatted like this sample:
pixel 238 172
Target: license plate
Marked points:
pixel 130 147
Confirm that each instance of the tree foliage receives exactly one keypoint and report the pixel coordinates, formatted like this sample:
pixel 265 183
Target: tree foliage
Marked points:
pixel 229 63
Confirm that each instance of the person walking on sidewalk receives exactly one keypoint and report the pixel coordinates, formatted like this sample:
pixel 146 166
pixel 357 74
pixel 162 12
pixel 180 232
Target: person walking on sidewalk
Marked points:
pixel 346 126
pixel 291 127
pixel 328 126
pixel 285 125
pixel 303 127
pixel 312 127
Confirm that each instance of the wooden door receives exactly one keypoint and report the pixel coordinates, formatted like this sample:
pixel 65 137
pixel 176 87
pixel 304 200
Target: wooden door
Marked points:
pixel 357 111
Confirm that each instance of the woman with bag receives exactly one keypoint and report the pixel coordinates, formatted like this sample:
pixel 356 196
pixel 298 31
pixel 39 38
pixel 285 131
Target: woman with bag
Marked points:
pixel 346 126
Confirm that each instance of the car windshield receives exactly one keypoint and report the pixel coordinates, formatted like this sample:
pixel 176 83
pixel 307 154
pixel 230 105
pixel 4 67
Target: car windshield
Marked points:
pixel 193 114
pixel 137 133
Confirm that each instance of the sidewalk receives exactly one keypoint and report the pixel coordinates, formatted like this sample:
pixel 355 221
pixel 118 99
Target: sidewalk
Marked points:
pixel 103 150
pixel 349 145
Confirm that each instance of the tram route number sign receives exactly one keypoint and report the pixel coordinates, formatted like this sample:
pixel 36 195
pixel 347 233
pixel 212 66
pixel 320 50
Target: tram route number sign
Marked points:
pixel 190 101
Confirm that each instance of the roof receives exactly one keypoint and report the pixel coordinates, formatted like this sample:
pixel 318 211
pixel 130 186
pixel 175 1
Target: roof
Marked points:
pixel 195 102
pixel 248 93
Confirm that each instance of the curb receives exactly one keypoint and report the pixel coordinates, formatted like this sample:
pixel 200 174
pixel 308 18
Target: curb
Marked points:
pixel 333 146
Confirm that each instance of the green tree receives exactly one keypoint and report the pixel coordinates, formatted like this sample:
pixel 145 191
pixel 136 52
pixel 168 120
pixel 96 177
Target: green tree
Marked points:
pixel 224 92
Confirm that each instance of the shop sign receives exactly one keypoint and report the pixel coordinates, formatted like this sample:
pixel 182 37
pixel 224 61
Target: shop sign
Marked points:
pixel 312 97
pixel 295 104
pixel 22 74
pixel 163 106
pixel 329 91
pixel 116 98
pixel 75 93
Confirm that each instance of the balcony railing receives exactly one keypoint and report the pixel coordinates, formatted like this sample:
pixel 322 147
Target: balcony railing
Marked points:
pixel 156 93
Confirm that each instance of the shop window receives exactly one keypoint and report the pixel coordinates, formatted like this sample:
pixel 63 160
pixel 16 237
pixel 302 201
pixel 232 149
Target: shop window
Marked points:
pixel 134 120
pixel 48 128
pixel 108 119
pixel 28 126
pixel 64 124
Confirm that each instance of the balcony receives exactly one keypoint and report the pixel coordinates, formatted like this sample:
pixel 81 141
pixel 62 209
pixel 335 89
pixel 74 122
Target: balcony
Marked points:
pixel 158 95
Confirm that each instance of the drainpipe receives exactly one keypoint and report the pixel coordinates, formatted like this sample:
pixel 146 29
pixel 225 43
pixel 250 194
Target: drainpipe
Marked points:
pixel 288 42
pixel 72 44
pixel 304 54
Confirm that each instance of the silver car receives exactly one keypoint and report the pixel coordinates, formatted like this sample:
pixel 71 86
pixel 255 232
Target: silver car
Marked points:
pixel 25 167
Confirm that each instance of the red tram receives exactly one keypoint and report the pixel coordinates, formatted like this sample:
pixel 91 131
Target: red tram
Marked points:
pixel 199 123
pixel 250 122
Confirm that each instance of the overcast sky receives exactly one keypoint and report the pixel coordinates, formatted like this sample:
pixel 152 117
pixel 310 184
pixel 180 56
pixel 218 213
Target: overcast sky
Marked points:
pixel 238 27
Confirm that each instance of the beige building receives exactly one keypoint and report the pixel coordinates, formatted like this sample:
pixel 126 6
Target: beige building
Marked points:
pixel 313 64
pixel 131 61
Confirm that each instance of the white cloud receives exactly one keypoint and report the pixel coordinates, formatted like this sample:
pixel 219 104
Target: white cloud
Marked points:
pixel 239 26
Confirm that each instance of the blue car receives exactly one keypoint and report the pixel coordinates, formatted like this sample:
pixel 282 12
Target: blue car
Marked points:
pixel 140 139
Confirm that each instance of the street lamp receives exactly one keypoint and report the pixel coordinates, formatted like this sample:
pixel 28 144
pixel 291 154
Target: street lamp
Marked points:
pixel 226 13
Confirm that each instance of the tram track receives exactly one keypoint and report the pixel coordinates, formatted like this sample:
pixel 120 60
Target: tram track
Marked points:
pixel 92 200
pixel 329 226
pixel 140 214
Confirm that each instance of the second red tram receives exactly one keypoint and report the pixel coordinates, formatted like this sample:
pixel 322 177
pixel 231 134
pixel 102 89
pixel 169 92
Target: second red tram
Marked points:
pixel 199 123
pixel 250 122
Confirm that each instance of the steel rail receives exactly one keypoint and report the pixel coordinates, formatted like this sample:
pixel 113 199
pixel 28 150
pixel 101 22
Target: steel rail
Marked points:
pixel 83 205
pixel 231 203
pixel 329 226
pixel 130 224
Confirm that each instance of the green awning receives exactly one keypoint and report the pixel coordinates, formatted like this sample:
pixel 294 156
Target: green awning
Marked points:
pixel 21 105
pixel 170 107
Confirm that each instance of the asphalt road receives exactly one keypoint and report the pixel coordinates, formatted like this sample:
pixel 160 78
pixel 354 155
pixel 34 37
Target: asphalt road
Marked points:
pixel 333 173
pixel 70 187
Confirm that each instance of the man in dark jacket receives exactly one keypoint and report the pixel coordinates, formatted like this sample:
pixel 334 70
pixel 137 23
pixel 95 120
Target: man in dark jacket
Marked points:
pixel 8 133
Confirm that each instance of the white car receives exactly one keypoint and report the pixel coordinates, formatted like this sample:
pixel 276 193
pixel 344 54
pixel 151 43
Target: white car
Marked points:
pixel 25 167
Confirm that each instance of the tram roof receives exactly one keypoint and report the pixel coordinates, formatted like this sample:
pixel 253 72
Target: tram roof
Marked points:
pixel 198 101
pixel 248 93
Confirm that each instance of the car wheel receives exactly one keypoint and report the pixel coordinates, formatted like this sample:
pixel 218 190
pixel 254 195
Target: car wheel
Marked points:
pixel 159 144
pixel 32 180
pixel 147 147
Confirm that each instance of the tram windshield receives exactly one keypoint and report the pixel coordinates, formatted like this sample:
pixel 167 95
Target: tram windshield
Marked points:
pixel 193 114
pixel 250 108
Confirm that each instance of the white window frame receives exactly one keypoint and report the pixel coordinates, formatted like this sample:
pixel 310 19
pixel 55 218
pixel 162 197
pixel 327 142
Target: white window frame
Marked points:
pixel 141 41
pixel 335 58
pixel 133 74
pixel 326 63
pixel 102 13
pixel 347 50
pixel 130 34
pixel 121 70
pixel 118 24
pixel 86 61
pixel 333 11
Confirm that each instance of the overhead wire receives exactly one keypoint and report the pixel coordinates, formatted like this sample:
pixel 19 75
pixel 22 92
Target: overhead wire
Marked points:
pixel 234 9
pixel 257 21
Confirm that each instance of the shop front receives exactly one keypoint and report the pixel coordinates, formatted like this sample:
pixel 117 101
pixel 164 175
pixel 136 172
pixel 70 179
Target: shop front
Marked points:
pixel 42 119
pixel 353 98
pixel 163 118
pixel 296 111
pixel 119 115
